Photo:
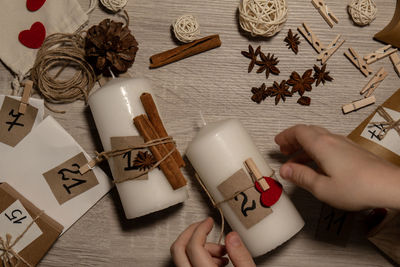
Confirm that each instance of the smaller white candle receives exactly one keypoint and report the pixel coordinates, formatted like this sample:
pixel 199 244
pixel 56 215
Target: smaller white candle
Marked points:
pixel 113 107
pixel 216 153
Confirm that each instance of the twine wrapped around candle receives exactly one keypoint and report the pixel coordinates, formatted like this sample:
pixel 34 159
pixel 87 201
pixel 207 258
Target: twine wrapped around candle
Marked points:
pixel 100 157
pixel 217 204
pixel 6 246
pixel 387 125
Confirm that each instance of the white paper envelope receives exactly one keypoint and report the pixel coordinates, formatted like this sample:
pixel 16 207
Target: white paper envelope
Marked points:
pixel 46 147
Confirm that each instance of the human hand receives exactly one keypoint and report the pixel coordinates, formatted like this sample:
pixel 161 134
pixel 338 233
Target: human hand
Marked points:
pixel 349 178
pixel 191 250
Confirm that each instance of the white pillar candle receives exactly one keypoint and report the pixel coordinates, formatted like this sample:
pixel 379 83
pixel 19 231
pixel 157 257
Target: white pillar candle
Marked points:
pixel 113 107
pixel 216 153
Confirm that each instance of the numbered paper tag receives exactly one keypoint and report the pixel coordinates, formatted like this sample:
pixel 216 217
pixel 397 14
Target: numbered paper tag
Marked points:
pixel 334 225
pixel 392 138
pixel 14 221
pixel 134 163
pixel 14 126
pixel 66 182
pixel 246 205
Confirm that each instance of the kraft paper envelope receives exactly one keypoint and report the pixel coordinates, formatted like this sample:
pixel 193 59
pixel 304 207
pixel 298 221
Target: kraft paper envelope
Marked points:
pixel 46 147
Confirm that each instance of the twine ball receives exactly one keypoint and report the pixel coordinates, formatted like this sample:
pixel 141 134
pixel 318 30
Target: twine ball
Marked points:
pixel 186 28
pixel 262 17
pixel 362 12
pixel 114 5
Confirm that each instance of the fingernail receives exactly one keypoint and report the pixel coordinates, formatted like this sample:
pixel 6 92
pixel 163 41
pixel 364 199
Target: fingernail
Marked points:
pixel 286 171
pixel 235 240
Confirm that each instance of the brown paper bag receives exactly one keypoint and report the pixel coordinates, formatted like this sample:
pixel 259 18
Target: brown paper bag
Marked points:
pixel 393 103
pixel 16 212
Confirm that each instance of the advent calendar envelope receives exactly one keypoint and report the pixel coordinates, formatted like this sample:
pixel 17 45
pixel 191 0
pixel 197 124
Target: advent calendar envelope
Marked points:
pixel 55 16
pixel 36 103
pixel 367 135
pixel 31 168
pixel 20 219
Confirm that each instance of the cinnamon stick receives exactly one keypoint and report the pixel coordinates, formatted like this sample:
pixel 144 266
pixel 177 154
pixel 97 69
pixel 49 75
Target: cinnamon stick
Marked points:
pixel 169 167
pixel 184 51
pixel 155 119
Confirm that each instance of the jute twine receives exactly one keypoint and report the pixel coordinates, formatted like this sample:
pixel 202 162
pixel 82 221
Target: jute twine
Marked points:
pixel 217 204
pixel 362 12
pixel 118 152
pixel 387 125
pixel 62 50
pixel 262 17
pixel 114 5
pixel 6 246
pixel 186 28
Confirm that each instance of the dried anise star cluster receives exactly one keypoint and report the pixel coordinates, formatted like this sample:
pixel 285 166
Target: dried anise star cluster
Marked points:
pixel 110 46
pixel 144 161
pixel 300 84
pixel 292 41
pixel 267 62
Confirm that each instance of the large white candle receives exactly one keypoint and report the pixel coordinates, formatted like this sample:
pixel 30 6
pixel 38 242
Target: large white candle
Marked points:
pixel 113 107
pixel 216 153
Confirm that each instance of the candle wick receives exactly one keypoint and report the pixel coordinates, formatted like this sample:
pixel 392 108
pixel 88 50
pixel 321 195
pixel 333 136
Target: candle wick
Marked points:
pixel 202 118
pixel 112 74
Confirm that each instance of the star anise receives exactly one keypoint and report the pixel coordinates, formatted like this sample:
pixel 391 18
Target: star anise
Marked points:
pixel 304 101
pixel 252 55
pixel 301 84
pixel 144 161
pixel 279 91
pixel 321 75
pixel 268 63
pixel 259 93
pixel 292 41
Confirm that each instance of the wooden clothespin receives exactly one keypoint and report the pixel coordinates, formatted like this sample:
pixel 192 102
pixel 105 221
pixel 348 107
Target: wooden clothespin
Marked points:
pixel 323 9
pixel 256 174
pixel 330 50
pixel 379 54
pixel 358 61
pixel 311 38
pixel 25 97
pixel 358 104
pixel 396 62
pixel 370 87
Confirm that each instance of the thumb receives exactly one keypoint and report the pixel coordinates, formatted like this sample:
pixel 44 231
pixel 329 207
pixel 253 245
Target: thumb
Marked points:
pixel 301 175
pixel 237 251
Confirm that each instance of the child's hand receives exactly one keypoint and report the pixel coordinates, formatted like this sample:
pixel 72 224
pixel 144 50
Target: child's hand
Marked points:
pixel 349 178
pixel 191 249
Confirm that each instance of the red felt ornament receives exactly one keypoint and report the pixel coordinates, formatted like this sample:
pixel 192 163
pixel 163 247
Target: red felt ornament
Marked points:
pixel 270 196
pixel 33 5
pixel 34 37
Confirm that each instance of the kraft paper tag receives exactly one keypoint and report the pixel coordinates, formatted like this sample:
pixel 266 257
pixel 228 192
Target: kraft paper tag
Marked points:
pixel 14 220
pixel 126 166
pixel 246 205
pixel 65 180
pixel 334 225
pixel 14 126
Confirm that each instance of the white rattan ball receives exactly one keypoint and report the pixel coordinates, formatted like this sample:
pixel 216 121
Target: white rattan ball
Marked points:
pixel 186 28
pixel 262 17
pixel 362 12
pixel 114 5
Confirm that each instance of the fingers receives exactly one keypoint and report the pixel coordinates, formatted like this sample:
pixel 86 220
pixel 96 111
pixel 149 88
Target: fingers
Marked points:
pixel 299 137
pixel 195 250
pixel 215 250
pixel 304 177
pixel 178 248
pixel 237 251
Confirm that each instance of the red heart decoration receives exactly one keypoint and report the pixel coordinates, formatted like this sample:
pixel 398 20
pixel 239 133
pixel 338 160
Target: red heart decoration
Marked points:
pixel 33 5
pixel 34 37
pixel 270 196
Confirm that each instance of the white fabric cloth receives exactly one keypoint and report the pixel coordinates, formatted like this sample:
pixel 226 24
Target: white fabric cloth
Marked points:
pixel 55 15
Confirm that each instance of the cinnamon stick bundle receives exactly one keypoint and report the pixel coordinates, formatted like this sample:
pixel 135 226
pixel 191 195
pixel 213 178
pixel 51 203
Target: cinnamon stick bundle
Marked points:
pixel 155 119
pixel 169 167
pixel 184 51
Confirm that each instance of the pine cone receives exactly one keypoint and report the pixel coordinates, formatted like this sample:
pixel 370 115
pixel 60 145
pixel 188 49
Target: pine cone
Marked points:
pixel 110 45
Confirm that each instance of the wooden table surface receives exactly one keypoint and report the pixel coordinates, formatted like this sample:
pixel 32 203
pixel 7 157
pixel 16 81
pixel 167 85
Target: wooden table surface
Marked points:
pixel 216 83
